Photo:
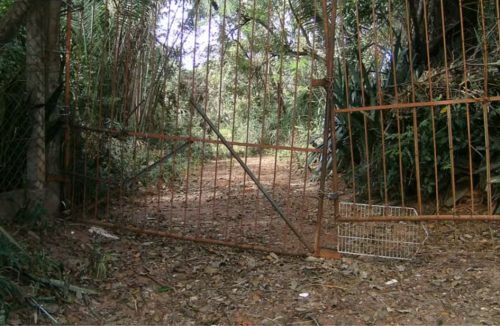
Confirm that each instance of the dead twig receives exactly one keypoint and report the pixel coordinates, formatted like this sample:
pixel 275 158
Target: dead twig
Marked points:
pixel 10 238
pixel 331 286
pixel 38 306
pixel 63 285
pixel 311 317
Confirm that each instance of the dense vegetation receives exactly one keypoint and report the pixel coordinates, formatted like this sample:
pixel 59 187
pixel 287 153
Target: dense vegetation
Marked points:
pixel 135 68
pixel 251 70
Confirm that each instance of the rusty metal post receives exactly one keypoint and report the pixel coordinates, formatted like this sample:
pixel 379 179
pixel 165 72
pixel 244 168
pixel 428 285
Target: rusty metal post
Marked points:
pixel 329 124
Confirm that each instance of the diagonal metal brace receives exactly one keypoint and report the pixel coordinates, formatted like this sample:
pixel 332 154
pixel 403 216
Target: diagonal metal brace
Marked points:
pixel 250 174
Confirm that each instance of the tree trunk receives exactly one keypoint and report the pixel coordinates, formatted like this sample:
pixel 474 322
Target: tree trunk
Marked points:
pixel 12 20
pixel 42 78
pixel 435 32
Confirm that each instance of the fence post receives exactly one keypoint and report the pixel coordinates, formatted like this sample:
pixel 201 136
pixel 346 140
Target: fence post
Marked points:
pixel 329 127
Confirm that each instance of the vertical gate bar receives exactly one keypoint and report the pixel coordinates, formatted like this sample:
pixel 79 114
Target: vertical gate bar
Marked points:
pixel 264 106
pixel 380 98
pixel 251 175
pixel 251 90
pixel 85 180
pixel 72 203
pixel 351 149
pixel 114 79
pixel 332 106
pixel 432 108
pixel 123 114
pixel 467 107
pixel 177 106
pixel 363 102
pixel 294 119
pixel 279 89
pixel 414 112
pixel 448 111
pixel 90 89
pixel 347 99
pixel 85 113
pixel 281 105
pixel 329 28
pixel 333 109
pixel 206 95
pixel 101 80
pixel 136 76
pixel 162 181
pixel 191 116
pixel 486 106
pixel 130 110
pixel 326 122
pixel 219 110
pixel 76 109
pixel 249 94
pixel 126 84
pixel 233 119
pixel 67 100
pixel 96 160
pixel 396 96
pixel 433 118
pixel 312 44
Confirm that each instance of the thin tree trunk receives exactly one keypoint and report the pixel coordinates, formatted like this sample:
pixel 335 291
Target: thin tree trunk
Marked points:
pixel 53 73
pixel 435 32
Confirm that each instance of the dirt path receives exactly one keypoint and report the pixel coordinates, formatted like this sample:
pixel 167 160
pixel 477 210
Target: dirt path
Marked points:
pixel 220 202
pixel 454 280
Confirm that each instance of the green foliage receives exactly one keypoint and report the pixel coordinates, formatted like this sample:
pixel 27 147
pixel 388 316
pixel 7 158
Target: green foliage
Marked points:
pixel 20 268
pixel 4 6
pixel 100 261
pixel 375 62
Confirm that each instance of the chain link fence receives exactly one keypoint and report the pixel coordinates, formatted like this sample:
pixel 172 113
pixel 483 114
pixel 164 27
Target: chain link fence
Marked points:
pixel 15 130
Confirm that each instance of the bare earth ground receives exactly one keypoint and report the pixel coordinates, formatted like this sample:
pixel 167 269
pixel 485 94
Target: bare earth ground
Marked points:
pixel 454 280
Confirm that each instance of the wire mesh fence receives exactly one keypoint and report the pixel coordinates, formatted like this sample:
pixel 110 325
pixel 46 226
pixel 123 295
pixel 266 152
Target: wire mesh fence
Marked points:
pixel 15 134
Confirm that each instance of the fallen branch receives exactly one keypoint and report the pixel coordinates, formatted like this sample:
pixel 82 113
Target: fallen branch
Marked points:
pixel 43 310
pixel 63 285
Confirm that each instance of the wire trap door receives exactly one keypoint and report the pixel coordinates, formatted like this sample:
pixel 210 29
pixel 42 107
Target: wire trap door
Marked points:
pixel 394 240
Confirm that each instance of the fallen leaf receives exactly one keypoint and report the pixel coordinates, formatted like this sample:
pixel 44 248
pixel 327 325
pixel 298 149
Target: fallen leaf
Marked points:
pixel 391 282
pixel 211 270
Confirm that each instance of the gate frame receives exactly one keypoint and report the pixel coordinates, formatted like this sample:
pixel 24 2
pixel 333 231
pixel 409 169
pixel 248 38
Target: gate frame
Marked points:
pixel 329 129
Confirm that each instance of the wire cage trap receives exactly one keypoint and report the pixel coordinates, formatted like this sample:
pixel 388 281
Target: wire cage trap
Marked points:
pixel 394 240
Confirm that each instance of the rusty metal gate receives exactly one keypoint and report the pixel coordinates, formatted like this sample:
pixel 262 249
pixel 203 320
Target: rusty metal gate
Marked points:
pixel 251 123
